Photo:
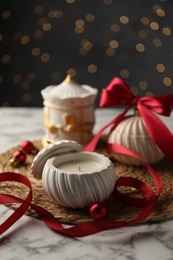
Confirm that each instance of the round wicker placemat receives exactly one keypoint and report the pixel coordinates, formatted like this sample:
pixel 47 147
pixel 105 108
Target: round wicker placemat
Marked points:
pixel 163 209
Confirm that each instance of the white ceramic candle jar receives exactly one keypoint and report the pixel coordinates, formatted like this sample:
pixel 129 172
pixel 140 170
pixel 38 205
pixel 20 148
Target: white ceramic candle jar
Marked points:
pixel 69 112
pixel 132 133
pixel 74 178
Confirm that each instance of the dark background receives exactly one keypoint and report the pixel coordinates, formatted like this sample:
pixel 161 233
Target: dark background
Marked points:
pixel 94 40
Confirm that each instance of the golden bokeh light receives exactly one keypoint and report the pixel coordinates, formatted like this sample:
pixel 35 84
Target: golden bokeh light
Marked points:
pixel 47 27
pixel 134 91
pixel 79 23
pixel 6 14
pixel 110 52
pixel 25 40
pixel 160 12
pixel 124 19
pixel 45 57
pixel 83 51
pixel 71 72
pixel 17 78
pixel 113 44
pixel 36 51
pixel 166 31
pixel 143 84
pixel 55 14
pixel 154 26
pixel 52 14
pixel 115 28
pixel 31 76
pixel 167 81
pixel 70 1
pixel 124 73
pixel 144 21
pixel 92 68
pixel 149 93
pixel 160 67
pixel 79 26
pixel 79 29
pixel 27 97
pixel 6 58
pixel 38 9
pixel 87 45
pixel 157 42
pixel 140 47
pixel 90 17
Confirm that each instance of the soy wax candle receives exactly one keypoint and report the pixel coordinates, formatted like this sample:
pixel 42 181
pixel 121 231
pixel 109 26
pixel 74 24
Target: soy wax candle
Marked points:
pixel 78 166
pixel 69 111
pixel 74 178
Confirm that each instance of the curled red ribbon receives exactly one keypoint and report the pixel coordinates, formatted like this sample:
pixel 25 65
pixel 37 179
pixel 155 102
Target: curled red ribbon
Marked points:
pixel 118 93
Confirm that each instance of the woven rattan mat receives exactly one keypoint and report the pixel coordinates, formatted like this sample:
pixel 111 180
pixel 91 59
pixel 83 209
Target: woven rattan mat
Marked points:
pixel 163 210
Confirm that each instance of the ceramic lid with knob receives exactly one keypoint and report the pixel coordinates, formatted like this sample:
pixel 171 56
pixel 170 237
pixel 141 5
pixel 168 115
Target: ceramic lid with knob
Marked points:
pixel 56 149
pixel 67 91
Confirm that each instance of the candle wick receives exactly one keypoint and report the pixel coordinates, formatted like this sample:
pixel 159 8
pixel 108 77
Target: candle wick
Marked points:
pixel 79 167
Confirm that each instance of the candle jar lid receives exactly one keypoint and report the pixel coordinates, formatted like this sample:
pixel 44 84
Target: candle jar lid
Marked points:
pixel 69 92
pixel 56 149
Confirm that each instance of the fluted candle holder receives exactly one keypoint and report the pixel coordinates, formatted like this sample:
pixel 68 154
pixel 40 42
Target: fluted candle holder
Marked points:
pixel 74 178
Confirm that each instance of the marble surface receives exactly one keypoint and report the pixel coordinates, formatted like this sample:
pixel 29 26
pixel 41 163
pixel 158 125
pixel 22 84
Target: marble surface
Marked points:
pixel 30 239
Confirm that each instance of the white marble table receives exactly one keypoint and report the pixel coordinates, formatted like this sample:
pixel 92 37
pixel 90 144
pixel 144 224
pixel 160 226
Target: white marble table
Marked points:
pixel 29 239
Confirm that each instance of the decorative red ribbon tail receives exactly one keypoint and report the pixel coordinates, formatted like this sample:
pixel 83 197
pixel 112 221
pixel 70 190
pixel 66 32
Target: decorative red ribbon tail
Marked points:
pixel 123 150
pixel 6 198
pixel 91 146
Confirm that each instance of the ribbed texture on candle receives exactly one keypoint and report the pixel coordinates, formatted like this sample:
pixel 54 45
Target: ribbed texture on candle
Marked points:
pixel 78 190
pixel 132 134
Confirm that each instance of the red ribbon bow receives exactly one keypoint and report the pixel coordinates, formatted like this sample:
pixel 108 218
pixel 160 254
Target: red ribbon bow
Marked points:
pixel 117 93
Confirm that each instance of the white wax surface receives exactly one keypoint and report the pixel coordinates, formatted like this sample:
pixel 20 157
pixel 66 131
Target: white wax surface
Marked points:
pixel 79 166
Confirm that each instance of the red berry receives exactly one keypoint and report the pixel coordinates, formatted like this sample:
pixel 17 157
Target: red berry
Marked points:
pixel 19 156
pixel 98 210
pixel 27 146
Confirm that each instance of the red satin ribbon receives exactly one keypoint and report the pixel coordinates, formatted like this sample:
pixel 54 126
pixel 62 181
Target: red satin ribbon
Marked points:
pixel 147 202
pixel 117 93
